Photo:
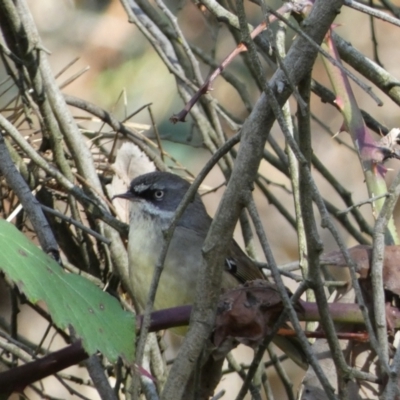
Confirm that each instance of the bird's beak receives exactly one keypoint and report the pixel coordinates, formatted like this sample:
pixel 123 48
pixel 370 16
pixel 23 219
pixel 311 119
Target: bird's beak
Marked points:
pixel 126 195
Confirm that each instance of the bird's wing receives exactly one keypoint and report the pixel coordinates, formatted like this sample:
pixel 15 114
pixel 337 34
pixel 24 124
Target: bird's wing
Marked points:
pixel 240 265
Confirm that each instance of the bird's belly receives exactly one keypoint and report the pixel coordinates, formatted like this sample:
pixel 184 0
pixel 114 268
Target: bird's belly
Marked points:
pixel 171 290
pixel 177 285
pixel 178 279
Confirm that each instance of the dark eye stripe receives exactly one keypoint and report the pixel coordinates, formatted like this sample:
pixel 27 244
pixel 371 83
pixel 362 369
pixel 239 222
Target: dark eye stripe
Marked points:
pixel 150 194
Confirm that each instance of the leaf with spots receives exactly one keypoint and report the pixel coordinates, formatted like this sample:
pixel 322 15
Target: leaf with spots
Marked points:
pixel 72 300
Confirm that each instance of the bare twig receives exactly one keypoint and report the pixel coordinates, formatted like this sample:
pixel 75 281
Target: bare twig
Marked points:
pixel 361 203
pixel 99 378
pixel 181 116
pixel 348 73
pixel 27 199
pixel 76 223
pixel 371 11
pixel 374 39
pixel 377 282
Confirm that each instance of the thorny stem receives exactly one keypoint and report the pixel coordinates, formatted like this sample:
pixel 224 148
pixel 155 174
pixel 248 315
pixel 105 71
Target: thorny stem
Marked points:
pixel 205 88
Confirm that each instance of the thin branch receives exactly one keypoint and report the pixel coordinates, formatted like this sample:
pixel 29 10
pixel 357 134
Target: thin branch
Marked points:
pixel 369 69
pixel 361 203
pixel 374 39
pixel 118 126
pixel 372 11
pixel 344 70
pixel 387 4
pixel 76 223
pixel 377 281
pixel 181 116
pixel 99 378
pixel 29 202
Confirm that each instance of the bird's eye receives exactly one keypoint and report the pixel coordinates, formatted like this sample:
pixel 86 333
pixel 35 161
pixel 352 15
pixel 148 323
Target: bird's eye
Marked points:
pixel 159 194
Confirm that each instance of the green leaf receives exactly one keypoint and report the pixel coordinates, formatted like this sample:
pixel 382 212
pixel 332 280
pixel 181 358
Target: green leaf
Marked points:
pixel 72 300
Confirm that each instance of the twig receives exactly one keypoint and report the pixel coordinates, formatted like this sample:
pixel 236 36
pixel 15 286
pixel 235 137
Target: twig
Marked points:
pixel 287 384
pixel 70 389
pixel 275 108
pixel 327 96
pixel 214 189
pixel 148 385
pixel 98 282
pixel 117 126
pixel 99 378
pixel 255 132
pixel 371 11
pixel 278 45
pixel 277 203
pixel 194 64
pixel 361 203
pixel 26 374
pixel 377 281
pixel 153 122
pixel 212 133
pixel 387 4
pixel 369 69
pixel 348 73
pixel 219 395
pixel 303 100
pixel 289 309
pixel 74 77
pixel 74 140
pixel 76 223
pixel 230 77
pixel 94 208
pixel 374 39
pixel 29 202
pixel 181 116
pixel 345 195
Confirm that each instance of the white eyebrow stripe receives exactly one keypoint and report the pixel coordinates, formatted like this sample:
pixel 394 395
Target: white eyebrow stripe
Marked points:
pixel 141 188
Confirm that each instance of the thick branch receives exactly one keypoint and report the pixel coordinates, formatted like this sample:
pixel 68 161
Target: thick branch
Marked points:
pixel 298 63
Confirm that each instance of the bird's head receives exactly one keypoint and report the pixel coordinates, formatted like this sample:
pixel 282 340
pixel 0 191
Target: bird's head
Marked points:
pixel 158 194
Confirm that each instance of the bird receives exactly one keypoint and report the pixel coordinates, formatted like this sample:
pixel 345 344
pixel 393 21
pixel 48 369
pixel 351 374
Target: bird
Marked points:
pixel 154 198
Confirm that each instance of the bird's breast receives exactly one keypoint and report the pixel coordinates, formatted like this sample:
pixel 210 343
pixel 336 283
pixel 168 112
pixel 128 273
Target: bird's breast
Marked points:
pixel 177 285
pixel 178 280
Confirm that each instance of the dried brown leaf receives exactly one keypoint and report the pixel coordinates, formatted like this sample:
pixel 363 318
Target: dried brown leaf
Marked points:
pixel 248 312
pixel 362 257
